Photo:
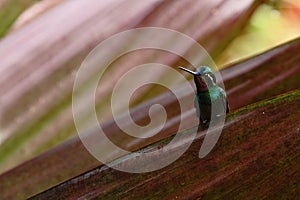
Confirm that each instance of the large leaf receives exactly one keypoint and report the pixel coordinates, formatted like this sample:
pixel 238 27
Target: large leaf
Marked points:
pixel 252 153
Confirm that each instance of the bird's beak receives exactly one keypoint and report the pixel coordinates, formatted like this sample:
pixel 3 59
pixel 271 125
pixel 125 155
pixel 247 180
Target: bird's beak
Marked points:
pixel 187 70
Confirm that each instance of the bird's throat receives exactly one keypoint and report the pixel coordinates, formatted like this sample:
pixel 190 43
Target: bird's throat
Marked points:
pixel 201 85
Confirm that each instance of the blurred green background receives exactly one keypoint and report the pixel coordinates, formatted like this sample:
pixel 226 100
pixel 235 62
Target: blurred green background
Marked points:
pixel 273 23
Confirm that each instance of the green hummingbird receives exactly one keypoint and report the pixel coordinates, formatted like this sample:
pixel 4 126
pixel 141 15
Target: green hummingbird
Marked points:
pixel 208 92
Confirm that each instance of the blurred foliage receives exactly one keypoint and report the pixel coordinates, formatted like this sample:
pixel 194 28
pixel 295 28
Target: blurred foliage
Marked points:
pixel 9 12
pixel 274 23
pixel 43 118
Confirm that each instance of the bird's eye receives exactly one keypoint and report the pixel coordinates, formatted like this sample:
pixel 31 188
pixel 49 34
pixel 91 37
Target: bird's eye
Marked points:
pixel 210 77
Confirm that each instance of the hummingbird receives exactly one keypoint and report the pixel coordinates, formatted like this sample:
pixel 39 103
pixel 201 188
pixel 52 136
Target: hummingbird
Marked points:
pixel 207 91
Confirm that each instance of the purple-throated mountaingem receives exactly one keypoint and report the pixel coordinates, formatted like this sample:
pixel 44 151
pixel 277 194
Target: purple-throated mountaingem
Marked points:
pixel 208 92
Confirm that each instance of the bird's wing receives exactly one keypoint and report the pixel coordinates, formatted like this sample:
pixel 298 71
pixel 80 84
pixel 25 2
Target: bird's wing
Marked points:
pixel 224 98
pixel 196 104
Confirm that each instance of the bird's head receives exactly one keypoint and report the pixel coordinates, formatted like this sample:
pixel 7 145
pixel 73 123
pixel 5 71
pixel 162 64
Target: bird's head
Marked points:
pixel 203 77
pixel 206 73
